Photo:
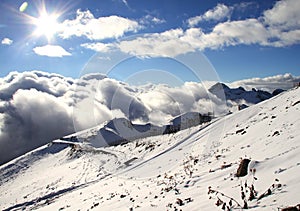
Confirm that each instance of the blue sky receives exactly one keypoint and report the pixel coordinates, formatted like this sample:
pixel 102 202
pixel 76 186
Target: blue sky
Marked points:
pixel 239 39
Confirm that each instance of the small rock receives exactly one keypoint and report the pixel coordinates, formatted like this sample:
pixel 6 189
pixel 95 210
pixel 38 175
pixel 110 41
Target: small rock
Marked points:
pixel 276 133
pixel 179 202
pixel 239 131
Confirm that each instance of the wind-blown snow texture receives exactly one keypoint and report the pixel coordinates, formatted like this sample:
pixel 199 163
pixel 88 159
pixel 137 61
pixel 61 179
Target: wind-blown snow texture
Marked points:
pixel 167 172
pixel 37 107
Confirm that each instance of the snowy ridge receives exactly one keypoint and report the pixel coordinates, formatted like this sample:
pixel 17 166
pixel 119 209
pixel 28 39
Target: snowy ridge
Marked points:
pixel 168 172
pixel 121 130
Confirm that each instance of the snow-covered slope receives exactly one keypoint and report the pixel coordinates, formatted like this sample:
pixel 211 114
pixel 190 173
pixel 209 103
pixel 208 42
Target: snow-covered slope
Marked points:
pixel 169 172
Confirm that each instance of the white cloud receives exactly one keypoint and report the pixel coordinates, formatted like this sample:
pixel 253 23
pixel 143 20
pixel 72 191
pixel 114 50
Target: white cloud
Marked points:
pixel 6 41
pixel 249 31
pixel 51 51
pixel 167 43
pixel 284 15
pixel 177 41
pixel 194 21
pixel 150 19
pixel 218 13
pixel 283 23
pixel 288 38
pixel 158 20
pixel 99 47
pixel 85 24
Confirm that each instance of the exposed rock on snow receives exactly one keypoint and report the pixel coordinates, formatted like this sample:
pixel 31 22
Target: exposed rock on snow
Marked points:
pixel 243 168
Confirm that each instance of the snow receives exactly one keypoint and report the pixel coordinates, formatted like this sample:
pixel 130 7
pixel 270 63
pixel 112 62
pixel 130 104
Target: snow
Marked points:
pixel 159 172
pixel 121 130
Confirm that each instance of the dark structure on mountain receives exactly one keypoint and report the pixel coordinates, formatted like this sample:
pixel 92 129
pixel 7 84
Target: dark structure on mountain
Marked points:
pixel 187 120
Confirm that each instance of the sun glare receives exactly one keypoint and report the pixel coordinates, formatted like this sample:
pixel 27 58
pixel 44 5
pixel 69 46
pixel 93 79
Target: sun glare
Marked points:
pixel 47 25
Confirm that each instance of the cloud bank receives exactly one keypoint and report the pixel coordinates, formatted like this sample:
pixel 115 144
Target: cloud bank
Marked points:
pixel 33 110
pixel 37 107
pixel 268 84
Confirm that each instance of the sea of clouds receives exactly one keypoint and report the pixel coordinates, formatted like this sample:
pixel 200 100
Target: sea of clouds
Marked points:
pixel 37 107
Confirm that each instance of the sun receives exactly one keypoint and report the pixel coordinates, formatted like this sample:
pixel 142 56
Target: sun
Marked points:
pixel 46 24
pixel 46 21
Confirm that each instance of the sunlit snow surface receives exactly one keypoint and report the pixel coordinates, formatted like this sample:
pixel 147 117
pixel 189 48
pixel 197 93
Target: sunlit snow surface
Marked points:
pixel 136 175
